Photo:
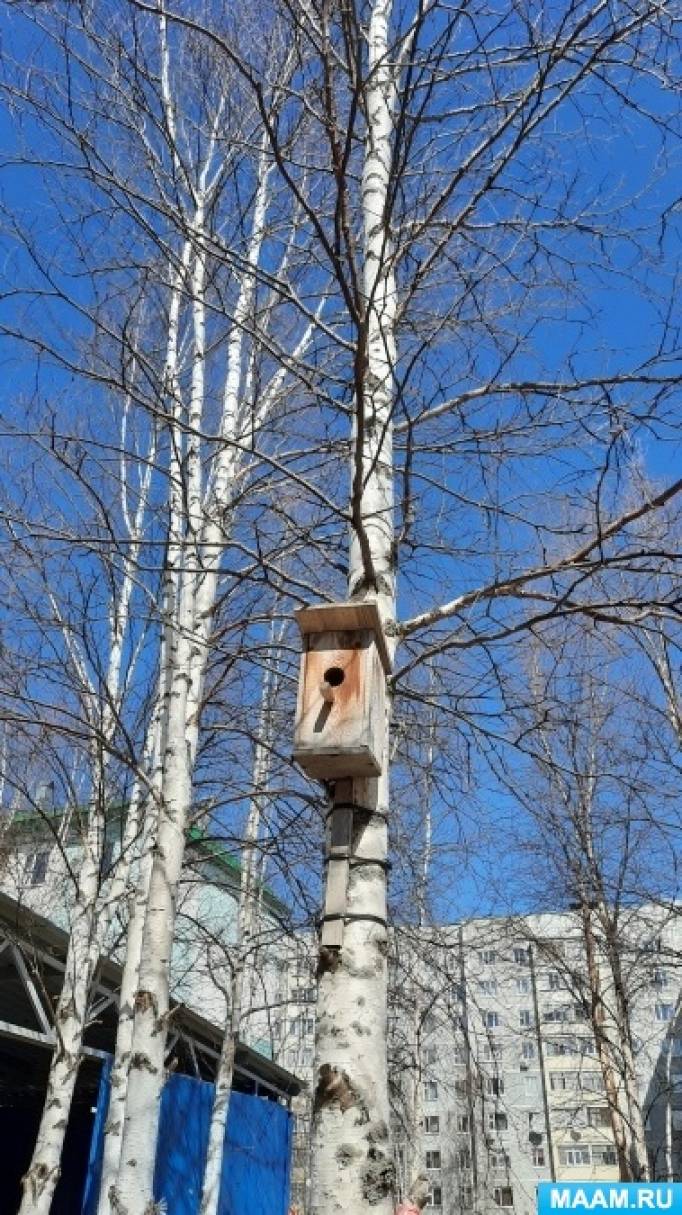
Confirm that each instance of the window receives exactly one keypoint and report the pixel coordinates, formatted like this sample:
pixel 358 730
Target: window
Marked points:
pixel 503 1196
pixel 433 1160
pixel 530 1086
pixel 303 995
pixel 491 1020
pixel 466 1197
pixel 429 1054
pixel 660 978
pixel 497 1122
pixel 430 1090
pixel 521 955
pixel 487 956
pixel 604 1153
pixel 36 866
pixel 488 986
pixel 579 1012
pixel 538 1157
pixel 591 1082
pixel 436 1196
pixel 528 1050
pixel 598 1115
pixel 555 1014
pixel 432 1124
pixel 464 1158
pixel 463 1122
pixel 664 1012
pixel 523 985
pixel 525 1018
pixel 499 1160
pixel 563 1046
pixel 561 1082
pixel 494 1086
pixel 492 1051
pixel 574 1157
pixel 554 981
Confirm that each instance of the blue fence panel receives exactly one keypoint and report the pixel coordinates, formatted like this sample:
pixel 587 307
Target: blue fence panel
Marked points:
pixel 256 1164
pixel 94 1173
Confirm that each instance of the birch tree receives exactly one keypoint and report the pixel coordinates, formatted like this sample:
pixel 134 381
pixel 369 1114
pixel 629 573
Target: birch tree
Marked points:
pixel 188 167
pixel 463 213
pixel 457 231
pixel 597 824
pixel 79 692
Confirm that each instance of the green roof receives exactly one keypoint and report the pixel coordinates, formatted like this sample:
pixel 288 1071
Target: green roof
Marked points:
pixel 223 857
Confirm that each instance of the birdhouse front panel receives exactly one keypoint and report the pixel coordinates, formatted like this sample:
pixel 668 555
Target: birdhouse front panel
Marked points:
pixel 341 714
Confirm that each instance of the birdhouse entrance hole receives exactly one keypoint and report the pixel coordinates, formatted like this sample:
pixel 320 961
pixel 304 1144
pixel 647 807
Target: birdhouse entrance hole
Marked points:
pixel 334 676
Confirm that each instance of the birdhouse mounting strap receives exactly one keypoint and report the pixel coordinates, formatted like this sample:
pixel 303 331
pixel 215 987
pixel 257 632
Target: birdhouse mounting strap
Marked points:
pixel 348 916
pixel 356 861
pixel 355 806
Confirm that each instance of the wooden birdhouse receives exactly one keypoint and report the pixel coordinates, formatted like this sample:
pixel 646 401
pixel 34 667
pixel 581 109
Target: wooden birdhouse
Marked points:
pixel 341 711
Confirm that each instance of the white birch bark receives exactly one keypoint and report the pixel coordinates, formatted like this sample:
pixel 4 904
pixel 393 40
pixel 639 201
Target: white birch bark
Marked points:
pixel 84 940
pixel 69 1020
pixel 113 1136
pixel 188 655
pixel 246 925
pixel 352 1169
pixel 134 938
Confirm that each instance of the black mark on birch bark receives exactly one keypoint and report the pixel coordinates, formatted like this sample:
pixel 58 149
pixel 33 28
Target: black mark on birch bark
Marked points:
pixel 328 961
pixel 334 1088
pixel 377 1177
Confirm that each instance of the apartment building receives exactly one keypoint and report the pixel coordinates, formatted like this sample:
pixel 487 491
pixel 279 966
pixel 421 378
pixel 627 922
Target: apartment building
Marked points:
pixel 496 1078
pixel 497 1081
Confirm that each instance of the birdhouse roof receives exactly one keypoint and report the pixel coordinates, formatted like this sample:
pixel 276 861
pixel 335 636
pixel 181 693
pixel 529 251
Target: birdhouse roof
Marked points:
pixel 345 617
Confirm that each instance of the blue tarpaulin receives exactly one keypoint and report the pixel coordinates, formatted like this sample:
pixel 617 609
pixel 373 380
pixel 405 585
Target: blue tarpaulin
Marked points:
pixel 257 1156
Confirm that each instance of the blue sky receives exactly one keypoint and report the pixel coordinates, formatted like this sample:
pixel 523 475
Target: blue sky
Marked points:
pixel 609 156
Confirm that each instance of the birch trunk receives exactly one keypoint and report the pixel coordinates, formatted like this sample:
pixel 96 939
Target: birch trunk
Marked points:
pixel 69 1021
pixel 603 1044
pixel 85 938
pixel 210 1194
pixel 638 1156
pixel 113 1137
pixel 188 653
pixel 352 1168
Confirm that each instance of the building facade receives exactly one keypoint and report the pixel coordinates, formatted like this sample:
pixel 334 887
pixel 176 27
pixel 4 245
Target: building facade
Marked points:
pixel 497 1079
pixel 496 1074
